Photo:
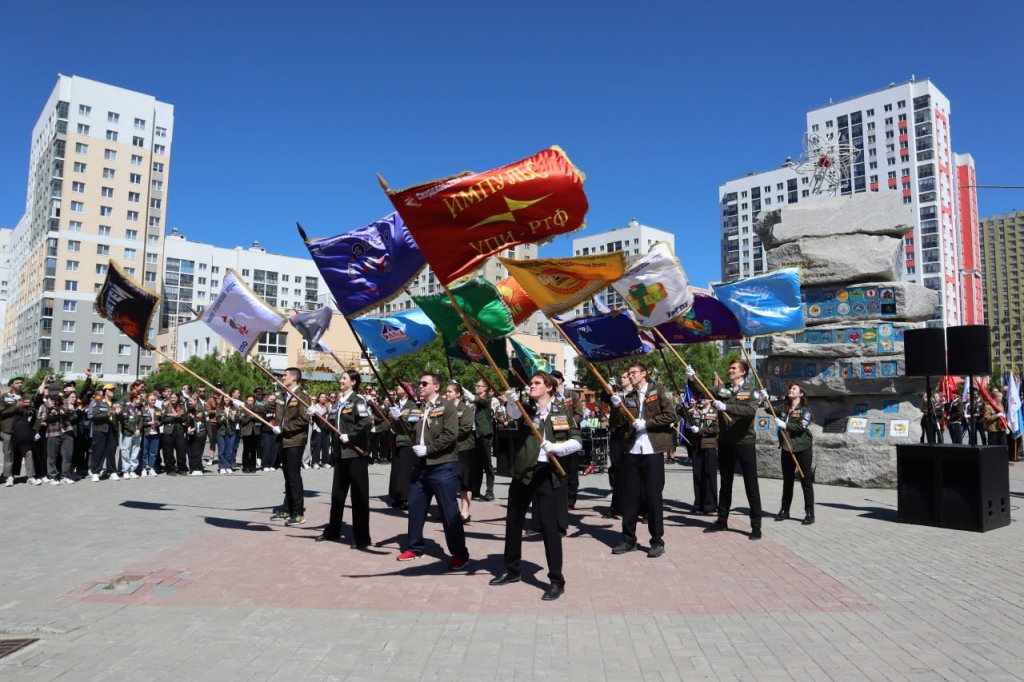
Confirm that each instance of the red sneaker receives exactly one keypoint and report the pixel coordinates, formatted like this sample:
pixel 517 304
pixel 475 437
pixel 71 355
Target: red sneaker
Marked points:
pixel 457 564
pixel 408 555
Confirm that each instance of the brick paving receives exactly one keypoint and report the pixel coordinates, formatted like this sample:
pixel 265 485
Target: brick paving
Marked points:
pixel 169 578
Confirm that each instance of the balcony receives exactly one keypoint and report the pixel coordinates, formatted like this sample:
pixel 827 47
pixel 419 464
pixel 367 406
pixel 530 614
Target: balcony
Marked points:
pixel 315 360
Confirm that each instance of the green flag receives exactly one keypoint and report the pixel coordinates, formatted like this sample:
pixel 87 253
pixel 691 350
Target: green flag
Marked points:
pixel 531 361
pixel 487 312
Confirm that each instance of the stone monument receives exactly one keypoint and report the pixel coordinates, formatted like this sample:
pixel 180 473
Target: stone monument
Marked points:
pixel 849 359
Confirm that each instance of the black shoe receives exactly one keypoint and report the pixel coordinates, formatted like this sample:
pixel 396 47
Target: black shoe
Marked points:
pixel 505 578
pixel 324 537
pixel 642 519
pixel 782 515
pixel 531 532
pixel 466 519
pixel 808 520
pixel 553 592
pixel 720 524
pixel 358 546
pixel 572 505
pixel 489 496
pixel 755 533
pixel 655 551
pixel 624 547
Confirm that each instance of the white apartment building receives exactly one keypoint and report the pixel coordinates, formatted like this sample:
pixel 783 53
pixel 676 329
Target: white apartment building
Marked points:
pixel 901 135
pixel 5 271
pixel 99 165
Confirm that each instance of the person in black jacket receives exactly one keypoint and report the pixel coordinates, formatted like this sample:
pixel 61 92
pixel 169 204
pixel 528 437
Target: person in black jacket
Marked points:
pixel 795 421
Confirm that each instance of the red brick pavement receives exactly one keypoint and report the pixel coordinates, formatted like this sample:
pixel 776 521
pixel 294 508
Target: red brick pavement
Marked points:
pixel 259 563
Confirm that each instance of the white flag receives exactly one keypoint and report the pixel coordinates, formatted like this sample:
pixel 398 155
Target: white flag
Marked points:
pixel 1013 406
pixel 655 287
pixel 239 316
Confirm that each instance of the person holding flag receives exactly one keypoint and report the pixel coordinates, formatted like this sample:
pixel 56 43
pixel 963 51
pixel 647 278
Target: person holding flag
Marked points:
pixel 796 423
pixel 292 430
pixel 408 414
pixel 534 481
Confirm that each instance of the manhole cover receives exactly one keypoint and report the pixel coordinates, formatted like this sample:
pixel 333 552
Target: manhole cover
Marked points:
pixel 9 646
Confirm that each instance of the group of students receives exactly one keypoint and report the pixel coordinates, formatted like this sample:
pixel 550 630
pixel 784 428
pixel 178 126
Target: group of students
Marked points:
pixel 955 417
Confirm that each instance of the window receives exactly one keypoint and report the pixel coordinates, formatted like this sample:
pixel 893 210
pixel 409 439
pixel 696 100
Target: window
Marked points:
pixel 888 107
pixel 136 160
pixel 158 167
pixel 158 149
pixel 140 124
pixel 79 167
pixel 106 211
pixel 67 326
pixel 96 348
pixel 888 121
pixel 133 216
pixel 158 185
pixel 154 203
pixel 78 187
pixel 154 222
pixel 108 173
pixel 70 285
pixel 245 273
pixel 102 250
pixel 902 104
pixel 113 117
pixel 83 129
pixel 67 346
pixel 81 148
pixel 112 136
pixel 202 266
pixel 151 258
pixel 135 178
pixel 131 235
pixel 84 110
pixel 122 368
pixel 130 271
pixel 101 269
pixel 74 245
pixel 70 306
pixel 137 141
pixel 96 367
pixel 273 343
pixel 160 132
pixel 871 125
pixel 104 230
pixel 97 327
pixel 151 277
pixel 134 197
pixel 129 254
pixel 828 124
pixel 202 281
pixel 124 349
pixel 215 269
pixel 77 207
pixel 814 128
pixel 75 226
pixel 71 265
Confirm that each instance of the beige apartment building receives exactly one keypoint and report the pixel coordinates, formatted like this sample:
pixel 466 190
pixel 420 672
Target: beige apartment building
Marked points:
pixel 99 166
pixel 1002 267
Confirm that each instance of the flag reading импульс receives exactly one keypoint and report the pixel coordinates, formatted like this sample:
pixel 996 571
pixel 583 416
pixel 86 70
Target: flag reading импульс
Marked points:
pixel 765 304
pixel 239 315
pixel 368 266
pixel 129 305
pixel 461 220
pixel 396 335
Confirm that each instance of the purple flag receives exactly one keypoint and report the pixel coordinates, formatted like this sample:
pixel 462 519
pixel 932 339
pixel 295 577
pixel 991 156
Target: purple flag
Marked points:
pixel 707 320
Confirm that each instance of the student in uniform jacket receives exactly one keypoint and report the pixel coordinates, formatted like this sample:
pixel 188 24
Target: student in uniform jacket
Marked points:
pixel 618 430
pixel 249 431
pixel 650 437
pixel 173 422
pixel 465 445
pixel 150 434
pixel 197 428
pixel 103 413
pixel 574 406
pixel 292 431
pixel 957 419
pixel 351 466
pixel 736 440
pixel 483 472
pixel 266 407
pixel 436 473
pixel 795 421
pixel 703 427
pixel 405 416
pixel 131 436
pixel 16 428
pixel 535 481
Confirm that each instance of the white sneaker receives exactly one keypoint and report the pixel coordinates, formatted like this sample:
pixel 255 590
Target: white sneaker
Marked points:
pixel 197 472
pixel 316 466
pixel 133 475
pixel 53 481
pixel 35 481
pixel 229 471
pixel 115 477
pixel 9 483
pixel 95 477
pixel 67 481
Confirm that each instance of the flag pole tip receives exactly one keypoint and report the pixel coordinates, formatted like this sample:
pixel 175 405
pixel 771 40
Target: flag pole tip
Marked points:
pixel 383 183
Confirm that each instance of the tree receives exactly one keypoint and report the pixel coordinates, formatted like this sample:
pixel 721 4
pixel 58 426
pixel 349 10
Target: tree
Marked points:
pixel 233 371
pixel 33 382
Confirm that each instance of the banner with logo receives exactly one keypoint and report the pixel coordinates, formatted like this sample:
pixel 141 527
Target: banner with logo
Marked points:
pixel 530 360
pixel 655 287
pixel 518 301
pixel 707 320
pixel 395 335
pixel 765 304
pixel 129 305
pixel 603 338
pixel 239 315
pixel 560 284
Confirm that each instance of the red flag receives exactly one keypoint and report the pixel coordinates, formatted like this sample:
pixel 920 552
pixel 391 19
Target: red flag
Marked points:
pixel 459 221
pixel 516 298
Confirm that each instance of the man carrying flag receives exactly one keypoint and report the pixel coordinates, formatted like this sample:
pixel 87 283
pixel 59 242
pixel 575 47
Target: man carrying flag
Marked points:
pixel 292 430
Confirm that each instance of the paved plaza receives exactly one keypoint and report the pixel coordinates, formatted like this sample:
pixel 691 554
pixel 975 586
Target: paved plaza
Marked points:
pixel 187 578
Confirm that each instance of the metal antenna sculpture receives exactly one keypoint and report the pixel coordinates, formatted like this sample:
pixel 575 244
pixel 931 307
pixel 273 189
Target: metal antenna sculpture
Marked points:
pixel 827 160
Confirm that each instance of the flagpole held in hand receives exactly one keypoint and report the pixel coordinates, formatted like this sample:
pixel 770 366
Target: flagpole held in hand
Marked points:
pixel 686 366
pixel 593 370
pixel 483 347
pixel 380 413
pixel 771 408
pixel 675 387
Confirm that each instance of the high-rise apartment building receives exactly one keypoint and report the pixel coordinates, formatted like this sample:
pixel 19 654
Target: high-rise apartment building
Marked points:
pixel 901 140
pixel 99 166
pixel 1002 268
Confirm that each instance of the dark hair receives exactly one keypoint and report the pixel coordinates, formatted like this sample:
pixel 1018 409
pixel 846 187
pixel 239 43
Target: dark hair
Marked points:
pixel 803 393
pixel 434 376
pixel 742 363
pixel 556 374
pixel 638 365
pixel 354 376
pixel 296 372
pixel 548 378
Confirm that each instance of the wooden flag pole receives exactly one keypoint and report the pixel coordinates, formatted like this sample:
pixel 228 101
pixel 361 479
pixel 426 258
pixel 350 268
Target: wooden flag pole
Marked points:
pixel 592 369
pixel 302 402
pixel 185 369
pixel 483 347
pixel 341 364
pixel 771 408
pixel 686 365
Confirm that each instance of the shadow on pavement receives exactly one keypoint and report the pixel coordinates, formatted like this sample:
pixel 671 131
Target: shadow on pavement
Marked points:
pixel 236 524
pixel 880 513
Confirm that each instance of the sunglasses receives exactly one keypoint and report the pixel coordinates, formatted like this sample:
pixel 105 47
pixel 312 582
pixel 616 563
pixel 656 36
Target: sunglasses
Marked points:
pixel 425 383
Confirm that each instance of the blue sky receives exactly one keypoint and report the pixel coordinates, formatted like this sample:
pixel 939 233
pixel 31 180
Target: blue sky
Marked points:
pixel 285 112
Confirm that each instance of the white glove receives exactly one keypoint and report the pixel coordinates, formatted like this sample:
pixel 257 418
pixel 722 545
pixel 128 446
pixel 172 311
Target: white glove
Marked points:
pixel 237 403
pixel 277 430
pixel 344 438
pixel 758 396
pixel 694 428
pixel 720 406
pixel 395 411
pixel 311 411
pixel 547 446
pixel 690 371
pixel 781 424
pixel 467 395
pixel 513 411
pixel 616 399
pixel 1001 415
pixel 511 396
pixel 640 425
pixel 419 450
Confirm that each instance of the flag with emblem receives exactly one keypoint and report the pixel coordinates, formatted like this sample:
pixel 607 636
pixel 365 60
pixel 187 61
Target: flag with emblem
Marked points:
pixel 530 360
pixel 395 335
pixel 560 284
pixel 602 338
pixel 485 309
pixel 518 301
pixel 239 315
pixel 765 304
pixel 127 304
pixel 462 220
pixel 655 287
pixel 368 266
pixel 312 325
pixel 706 320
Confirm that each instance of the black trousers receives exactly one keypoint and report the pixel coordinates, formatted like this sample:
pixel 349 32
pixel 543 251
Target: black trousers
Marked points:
pixel 616 447
pixel 351 474
pixel 645 481
pixel 728 455
pixel 401 473
pixel 196 445
pixel 548 502
pixel 484 472
pixel 805 458
pixel 956 432
pixel 173 448
pixel 705 479
pixel 104 447
pixel 291 465
pixel 250 448
pixel 571 464
pixel 268 450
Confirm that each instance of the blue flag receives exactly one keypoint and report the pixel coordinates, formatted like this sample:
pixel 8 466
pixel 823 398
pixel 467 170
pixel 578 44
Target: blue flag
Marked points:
pixel 368 266
pixel 765 304
pixel 606 337
pixel 390 337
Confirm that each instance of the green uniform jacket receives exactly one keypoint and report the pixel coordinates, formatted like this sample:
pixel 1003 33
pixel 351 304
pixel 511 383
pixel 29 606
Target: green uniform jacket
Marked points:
pixel 658 413
pixel 556 427
pixel 11 408
pixel 173 422
pixel 354 421
pixel 798 424
pixel 199 420
pixel 250 427
pixel 466 440
pixel 441 423
pixel 741 406
pixel 573 406
pixel 131 419
pixel 411 414
pixel 484 417
pixel 707 421
pixel 103 416
pixel 292 418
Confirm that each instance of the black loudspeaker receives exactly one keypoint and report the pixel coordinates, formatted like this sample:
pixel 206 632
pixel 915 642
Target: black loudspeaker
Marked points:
pixel 963 487
pixel 924 352
pixel 969 350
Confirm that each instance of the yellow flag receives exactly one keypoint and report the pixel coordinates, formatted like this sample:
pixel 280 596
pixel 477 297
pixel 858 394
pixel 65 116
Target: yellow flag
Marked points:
pixel 560 284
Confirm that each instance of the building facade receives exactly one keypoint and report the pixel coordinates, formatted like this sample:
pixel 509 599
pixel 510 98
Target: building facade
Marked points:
pixel 901 140
pixel 6 234
pixel 1002 267
pixel 99 168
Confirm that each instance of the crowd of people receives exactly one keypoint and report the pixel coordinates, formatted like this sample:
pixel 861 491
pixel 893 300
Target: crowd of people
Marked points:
pixel 974 417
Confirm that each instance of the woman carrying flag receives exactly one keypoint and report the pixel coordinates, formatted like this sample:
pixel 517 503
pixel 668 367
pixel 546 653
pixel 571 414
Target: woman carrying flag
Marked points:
pixel 796 422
